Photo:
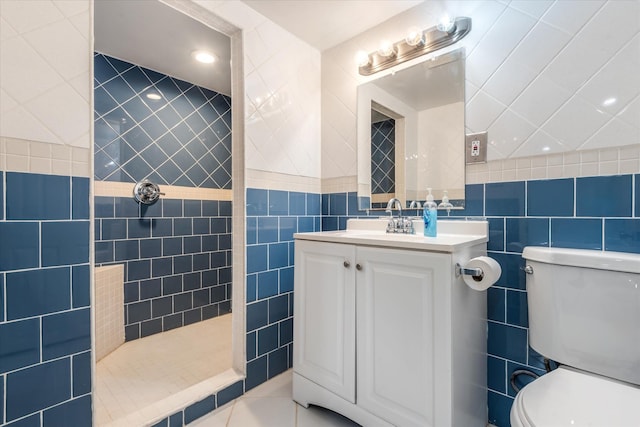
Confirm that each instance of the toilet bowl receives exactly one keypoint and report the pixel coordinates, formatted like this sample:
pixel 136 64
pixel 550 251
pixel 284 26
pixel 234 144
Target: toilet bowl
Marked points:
pixel 584 313
pixel 568 397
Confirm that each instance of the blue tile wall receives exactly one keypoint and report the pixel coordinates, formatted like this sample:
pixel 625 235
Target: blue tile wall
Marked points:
pixel 183 138
pixel 541 213
pixel 272 219
pixel 383 158
pixel 177 257
pixel 45 333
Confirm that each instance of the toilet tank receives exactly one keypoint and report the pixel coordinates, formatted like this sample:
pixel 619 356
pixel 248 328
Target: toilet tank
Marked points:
pixel 584 309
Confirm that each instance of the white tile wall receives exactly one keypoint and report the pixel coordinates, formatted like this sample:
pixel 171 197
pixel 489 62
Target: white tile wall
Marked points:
pixel 282 95
pixel 109 309
pixel 538 73
pixel 45 64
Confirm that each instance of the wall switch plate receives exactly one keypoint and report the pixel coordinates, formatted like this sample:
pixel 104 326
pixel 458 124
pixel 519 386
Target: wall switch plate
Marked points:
pixel 476 148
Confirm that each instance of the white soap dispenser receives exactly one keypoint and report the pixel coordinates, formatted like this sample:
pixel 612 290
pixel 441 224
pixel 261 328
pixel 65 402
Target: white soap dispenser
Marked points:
pixel 430 216
pixel 445 204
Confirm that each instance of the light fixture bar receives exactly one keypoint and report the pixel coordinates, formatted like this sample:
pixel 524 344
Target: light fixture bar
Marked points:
pixel 434 39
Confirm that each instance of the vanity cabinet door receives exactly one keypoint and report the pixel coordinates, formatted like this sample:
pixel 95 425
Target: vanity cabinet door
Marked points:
pixel 324 316
pixel 401 337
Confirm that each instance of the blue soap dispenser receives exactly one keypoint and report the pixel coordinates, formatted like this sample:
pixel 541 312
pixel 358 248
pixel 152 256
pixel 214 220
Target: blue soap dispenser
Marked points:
pixel 430 216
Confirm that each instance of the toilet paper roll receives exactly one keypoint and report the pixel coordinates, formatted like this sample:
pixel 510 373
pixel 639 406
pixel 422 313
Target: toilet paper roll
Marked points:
pixel 491 273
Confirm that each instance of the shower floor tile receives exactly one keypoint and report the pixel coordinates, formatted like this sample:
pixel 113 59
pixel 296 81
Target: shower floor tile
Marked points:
pixel 142 372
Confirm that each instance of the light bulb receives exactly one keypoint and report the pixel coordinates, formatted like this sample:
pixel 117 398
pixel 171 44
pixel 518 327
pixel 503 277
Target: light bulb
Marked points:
pixel 362 58
pixel 446 24
pixel 203 56
pixel 386 48
pixel 414 36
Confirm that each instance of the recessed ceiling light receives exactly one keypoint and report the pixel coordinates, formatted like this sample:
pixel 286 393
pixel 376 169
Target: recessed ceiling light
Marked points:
pixel 203 56
pixel 153 96
pixel 609 101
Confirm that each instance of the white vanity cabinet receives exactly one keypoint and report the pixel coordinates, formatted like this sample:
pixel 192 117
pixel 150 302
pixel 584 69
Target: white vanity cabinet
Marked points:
pixel 388 336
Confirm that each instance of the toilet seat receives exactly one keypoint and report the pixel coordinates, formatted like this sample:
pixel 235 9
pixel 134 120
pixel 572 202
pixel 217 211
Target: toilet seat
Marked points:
pixel 572 398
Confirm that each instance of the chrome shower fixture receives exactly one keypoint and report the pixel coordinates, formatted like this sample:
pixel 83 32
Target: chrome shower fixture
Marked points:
pixel 146 192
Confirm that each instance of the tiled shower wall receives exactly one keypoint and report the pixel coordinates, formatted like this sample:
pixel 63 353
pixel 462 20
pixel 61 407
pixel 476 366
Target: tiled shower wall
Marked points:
pixel 176 253
pixel 177 258
pixel 183 138
pixel 383 159
pixel 45 320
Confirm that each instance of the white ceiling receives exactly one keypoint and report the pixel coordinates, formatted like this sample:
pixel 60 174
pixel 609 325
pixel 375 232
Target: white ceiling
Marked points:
pixel 155 36
pixel 327 23
pixel 138 32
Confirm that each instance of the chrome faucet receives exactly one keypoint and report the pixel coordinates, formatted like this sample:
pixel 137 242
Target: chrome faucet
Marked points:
pixel 399 224
pixel 394 203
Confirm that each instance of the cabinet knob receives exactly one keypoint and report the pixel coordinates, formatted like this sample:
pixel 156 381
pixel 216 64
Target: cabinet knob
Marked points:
pixel 346 264
pixel 358 267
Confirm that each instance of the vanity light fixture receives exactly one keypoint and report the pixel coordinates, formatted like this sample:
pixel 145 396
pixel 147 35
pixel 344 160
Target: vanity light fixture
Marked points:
pixel 415 44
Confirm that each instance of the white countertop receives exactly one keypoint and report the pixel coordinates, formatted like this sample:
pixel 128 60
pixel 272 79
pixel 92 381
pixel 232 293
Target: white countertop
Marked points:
pixel 452 235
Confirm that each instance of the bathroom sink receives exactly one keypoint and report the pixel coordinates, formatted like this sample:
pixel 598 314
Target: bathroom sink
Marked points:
pixel 452 235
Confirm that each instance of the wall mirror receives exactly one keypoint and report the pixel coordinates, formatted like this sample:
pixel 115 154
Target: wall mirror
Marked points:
pixel 410 131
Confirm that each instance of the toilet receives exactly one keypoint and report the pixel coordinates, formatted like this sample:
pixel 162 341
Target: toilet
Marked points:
pixel 584 313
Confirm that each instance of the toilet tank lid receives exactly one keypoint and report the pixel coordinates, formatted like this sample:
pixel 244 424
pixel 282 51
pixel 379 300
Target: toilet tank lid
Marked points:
pixel 601 260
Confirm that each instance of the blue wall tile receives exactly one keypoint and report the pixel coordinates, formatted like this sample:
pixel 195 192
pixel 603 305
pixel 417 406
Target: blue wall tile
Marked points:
pixel 278 362
pixel 268 229
pixel 256 258
pixel 512 266
pixel 278 255
pixel 517 312
pixel 81 288
pixel 622 235
pixel 103 207
pixel 297 203
pixel 505 199
pixel 36 292
pixel 578 233
pixel 76 412
pixel 82 373
pixel 19 245
pixel 33 389
pixel 508 342
pixel 552 197
pixel 66 333
pixel 227 394
pixel 20 344
pixel 65 243
pixel 113 229
pixel 32 421
pixel 257 315
pixel 257 202
pixel 199 409
pixel 267 284
pixel 522 232
pixel 1 200
pixel 278 308
pixel 256 373
pixel 288 226
pixel 496 234
pixel 473 201
pixel 138 228
pixel 499 409
pixel 278 202
pixel 338 204
pixel 496 374
pixel 286 331
pixel 127 250
pixel 637 198
pixel 604 196
pixel 80 198
pixel 496 303
pixel 53 201
pixel 313 204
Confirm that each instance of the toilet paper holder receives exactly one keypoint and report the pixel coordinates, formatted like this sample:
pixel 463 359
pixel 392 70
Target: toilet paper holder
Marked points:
pixel 477 273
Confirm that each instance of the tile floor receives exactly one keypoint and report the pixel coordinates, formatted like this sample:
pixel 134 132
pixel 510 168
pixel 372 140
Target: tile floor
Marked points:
pixel 270 405
pixel 142 372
